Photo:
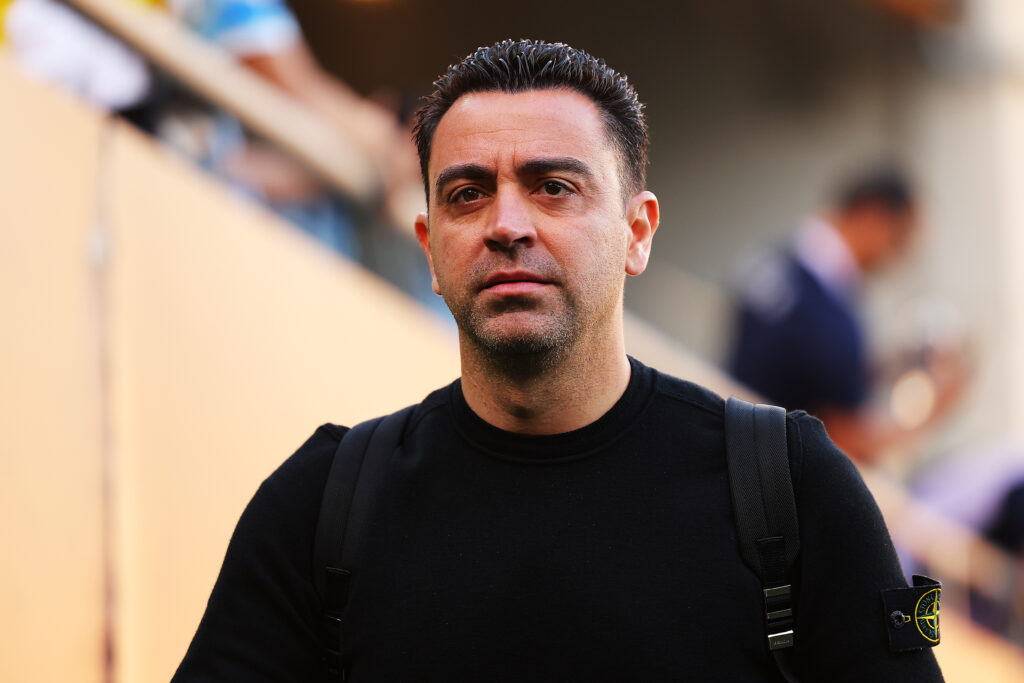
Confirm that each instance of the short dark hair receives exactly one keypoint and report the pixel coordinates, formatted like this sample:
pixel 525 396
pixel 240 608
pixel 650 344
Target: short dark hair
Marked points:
pixel 887 186
pixel 515 66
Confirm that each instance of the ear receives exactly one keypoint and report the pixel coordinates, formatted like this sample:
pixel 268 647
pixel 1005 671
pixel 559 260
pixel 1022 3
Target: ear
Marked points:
pixel 643 215
pixel 423 237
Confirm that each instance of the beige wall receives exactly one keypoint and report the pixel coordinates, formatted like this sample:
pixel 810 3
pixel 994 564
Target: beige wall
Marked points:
pixel 51 574
pixel 192 356
pixel 233 337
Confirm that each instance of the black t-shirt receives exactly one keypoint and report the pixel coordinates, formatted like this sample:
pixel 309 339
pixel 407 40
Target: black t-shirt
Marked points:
pixel 606 553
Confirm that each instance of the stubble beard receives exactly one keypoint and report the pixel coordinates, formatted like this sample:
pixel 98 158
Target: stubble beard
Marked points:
pixel 553 324
pixel 520 349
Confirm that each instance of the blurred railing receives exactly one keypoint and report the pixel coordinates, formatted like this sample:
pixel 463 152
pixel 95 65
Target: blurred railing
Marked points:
pixel 216 76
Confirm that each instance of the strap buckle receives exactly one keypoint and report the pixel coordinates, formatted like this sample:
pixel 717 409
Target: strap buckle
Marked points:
pixel 778 612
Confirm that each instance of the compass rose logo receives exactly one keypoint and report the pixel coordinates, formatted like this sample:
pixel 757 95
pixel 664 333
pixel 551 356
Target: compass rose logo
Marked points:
pixel 926 615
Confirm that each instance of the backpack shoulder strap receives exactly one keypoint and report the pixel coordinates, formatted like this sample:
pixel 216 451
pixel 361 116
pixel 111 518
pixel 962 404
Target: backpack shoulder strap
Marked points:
pixel 357 472
pixel 765 511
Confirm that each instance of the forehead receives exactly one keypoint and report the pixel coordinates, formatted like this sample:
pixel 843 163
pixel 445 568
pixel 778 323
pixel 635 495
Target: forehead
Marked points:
pixel 491 128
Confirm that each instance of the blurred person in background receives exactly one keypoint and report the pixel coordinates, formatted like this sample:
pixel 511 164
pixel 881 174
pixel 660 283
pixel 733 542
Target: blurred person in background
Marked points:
pixel 265 37
pixel 799 338
pixel 53 41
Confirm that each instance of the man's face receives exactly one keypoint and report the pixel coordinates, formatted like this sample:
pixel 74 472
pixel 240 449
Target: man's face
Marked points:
pixel 886 234
pixel 529 237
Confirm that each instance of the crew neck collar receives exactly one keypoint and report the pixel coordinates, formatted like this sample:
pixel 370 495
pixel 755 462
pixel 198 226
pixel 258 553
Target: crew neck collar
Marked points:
pixel 551 448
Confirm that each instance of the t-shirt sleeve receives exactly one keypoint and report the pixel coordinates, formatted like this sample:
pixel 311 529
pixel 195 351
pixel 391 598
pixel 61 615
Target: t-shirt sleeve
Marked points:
pixel 846 560
pixel 263 619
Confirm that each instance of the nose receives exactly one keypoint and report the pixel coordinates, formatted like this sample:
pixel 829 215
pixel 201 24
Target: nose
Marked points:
pixel 510 224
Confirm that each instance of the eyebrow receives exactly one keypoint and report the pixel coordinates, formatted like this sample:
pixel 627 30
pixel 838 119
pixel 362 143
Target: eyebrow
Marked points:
pixel 533 167
pixel 555 164
pixel 459 172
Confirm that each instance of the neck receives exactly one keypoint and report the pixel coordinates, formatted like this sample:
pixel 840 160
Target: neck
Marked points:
pixel 548 393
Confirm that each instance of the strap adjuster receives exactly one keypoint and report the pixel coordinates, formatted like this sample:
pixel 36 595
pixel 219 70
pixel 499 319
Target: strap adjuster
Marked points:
pixel 780 641
pixel 778 612
pixel 334 664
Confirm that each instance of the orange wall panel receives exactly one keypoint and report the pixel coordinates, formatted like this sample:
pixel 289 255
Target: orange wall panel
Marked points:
pixel 51 576
pixel 233 337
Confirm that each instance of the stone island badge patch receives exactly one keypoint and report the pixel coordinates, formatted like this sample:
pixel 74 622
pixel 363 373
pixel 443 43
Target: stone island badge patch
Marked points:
pixel 912 615
pixel 926 615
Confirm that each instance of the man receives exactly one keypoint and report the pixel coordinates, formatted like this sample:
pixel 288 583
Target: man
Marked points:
pixel 799 338
pixel 562 511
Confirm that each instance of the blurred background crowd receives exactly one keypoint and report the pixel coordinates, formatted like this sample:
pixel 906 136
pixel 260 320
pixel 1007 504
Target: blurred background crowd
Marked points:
pixel 842 186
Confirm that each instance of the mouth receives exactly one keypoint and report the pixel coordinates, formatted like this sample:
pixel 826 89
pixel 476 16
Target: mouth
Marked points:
pixel 514 283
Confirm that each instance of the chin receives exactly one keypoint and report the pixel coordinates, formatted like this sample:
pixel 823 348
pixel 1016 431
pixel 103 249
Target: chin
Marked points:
pixel 509 337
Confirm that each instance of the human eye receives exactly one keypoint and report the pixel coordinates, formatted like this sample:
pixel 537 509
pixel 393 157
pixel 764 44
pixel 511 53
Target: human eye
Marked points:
pixel 554 188
pixel 465 195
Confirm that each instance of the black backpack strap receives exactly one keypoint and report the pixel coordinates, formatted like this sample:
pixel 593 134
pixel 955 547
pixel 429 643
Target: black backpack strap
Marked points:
pixel 356 474
pixel 765 511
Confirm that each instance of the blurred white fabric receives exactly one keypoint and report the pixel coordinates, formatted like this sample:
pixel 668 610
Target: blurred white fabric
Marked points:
pixel 53 43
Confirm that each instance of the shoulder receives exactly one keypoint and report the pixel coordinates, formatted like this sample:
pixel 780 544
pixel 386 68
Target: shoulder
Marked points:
pixel 266 581
pixel 688 394
pixel 308 465
pixel 821 470
pixel 828 484
pixel 287 503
